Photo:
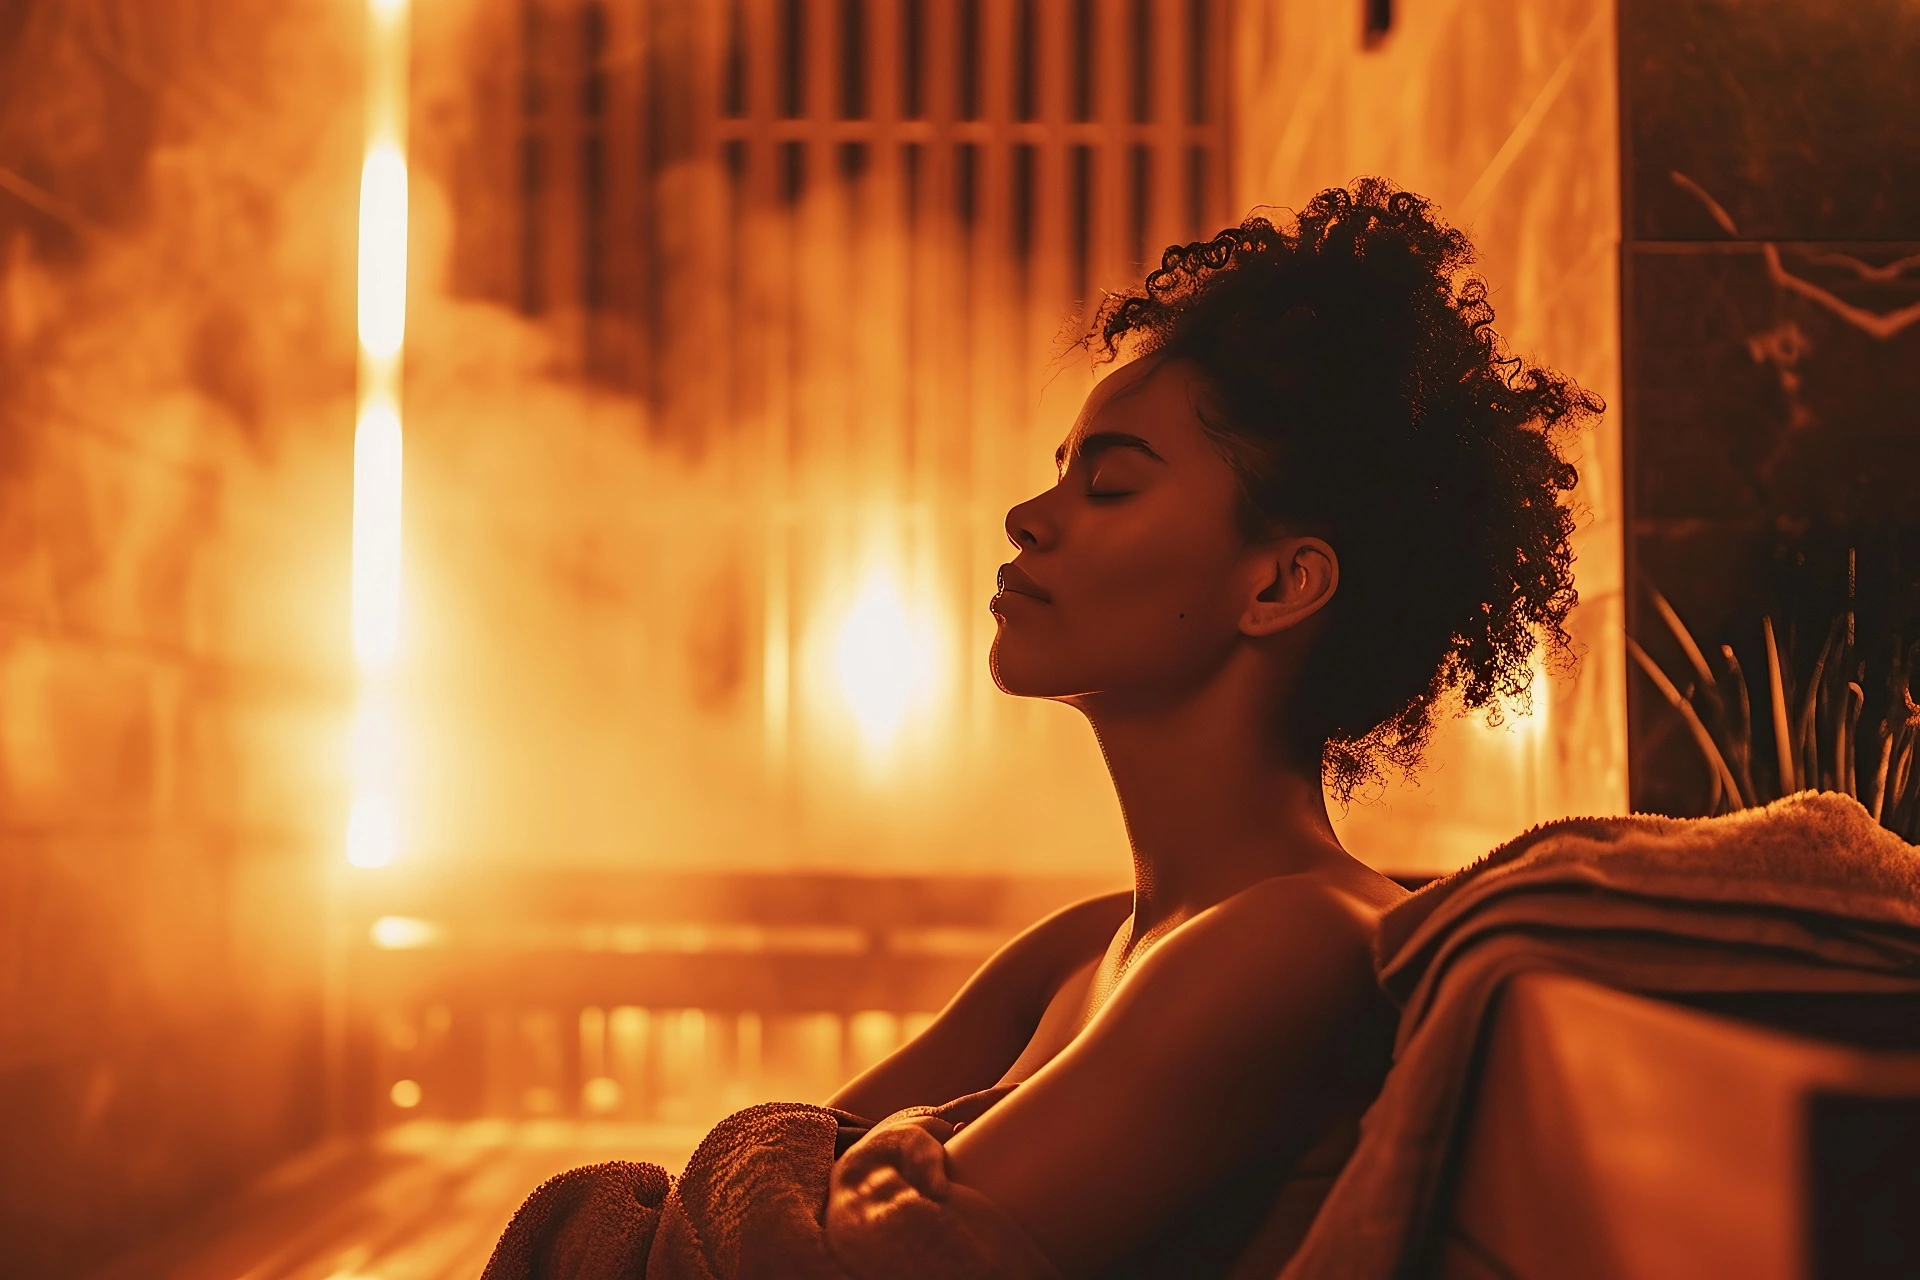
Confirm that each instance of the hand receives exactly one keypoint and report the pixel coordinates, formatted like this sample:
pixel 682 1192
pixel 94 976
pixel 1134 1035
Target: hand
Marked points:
pixel 891 1211
pixel 897 1158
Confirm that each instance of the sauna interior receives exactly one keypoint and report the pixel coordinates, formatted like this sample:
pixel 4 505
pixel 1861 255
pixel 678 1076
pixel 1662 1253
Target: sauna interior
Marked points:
pixel 498 500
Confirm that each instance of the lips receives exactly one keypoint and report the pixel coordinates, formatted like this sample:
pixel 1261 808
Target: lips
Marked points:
pixel 1013 579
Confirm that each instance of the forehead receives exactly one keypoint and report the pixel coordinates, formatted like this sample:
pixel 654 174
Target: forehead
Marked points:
pixel 1152 398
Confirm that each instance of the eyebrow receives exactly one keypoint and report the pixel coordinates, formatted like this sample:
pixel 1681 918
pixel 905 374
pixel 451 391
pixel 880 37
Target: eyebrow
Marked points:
pixel 1091 446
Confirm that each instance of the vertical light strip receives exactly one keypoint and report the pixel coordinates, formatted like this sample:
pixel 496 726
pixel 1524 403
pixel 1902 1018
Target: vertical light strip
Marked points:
pixel 374 824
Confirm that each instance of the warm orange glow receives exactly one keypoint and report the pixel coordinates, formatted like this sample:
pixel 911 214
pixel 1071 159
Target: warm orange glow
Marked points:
pixel 601 1095
pixel 406 1094
pixel 373 829
pixel 373 825
pixel 776 659
pixel 886 659
pixel 376 536
pixel 403 933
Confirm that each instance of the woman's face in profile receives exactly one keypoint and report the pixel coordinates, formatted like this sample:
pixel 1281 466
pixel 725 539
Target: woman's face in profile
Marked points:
pixel 1132 572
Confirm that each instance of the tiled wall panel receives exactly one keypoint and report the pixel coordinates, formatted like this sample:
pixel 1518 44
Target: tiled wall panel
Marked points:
pixel 1772 340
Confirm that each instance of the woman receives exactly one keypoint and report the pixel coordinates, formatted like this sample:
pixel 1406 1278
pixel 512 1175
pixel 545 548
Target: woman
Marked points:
pixel 1314 501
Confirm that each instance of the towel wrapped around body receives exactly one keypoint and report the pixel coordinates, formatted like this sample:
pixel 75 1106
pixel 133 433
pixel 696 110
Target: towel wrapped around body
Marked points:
pixel 795 1191
pixel 767 1195
pixel 1807 895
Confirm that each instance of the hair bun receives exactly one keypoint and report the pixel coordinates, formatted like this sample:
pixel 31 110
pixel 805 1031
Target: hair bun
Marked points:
pixel 1364 393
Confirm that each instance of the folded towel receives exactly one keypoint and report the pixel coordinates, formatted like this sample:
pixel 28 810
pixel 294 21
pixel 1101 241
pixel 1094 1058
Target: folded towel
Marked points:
pixel 589 1223
pixel 766 1194
pixel 1806 895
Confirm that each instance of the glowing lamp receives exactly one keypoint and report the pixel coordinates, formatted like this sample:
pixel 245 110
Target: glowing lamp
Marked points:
pixel 884 659
pixel 383 251
pixel 403 933
pixel 373 829
pixel 373 826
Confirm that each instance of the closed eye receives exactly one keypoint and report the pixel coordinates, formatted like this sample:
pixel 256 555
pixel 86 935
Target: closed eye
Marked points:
pixel 1107 495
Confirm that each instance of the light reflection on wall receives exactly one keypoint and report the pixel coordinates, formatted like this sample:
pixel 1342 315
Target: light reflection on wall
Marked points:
pixel 889 658
pixel 374 823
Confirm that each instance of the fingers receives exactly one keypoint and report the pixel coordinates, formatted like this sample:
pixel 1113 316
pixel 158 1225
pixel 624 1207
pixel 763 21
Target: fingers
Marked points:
pixel 892 1212
pixel 908 1151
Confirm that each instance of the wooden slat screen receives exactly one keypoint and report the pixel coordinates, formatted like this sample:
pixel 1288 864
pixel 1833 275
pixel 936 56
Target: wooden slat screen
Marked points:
pixel 836 244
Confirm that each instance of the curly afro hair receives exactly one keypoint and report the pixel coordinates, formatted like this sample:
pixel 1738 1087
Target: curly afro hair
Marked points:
pixel 1364 397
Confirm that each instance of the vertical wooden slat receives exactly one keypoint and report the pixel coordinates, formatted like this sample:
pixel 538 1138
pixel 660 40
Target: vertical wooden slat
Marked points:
pixel 997 409
pixel 1166 221
pixel 940 333
pixel 887 98
pixel 886 265
pixel 1051 274
pixel 682 61
pixel 620 350
pixel 1218 132
pixel 1113 268
pixel 827 319
pixel 558 209
pixel 764 329
pixel 528 90
pixel 485 180
pixel 702 407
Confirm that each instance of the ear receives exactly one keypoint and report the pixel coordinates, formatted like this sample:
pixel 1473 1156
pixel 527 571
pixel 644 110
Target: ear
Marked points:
pixel 1294 578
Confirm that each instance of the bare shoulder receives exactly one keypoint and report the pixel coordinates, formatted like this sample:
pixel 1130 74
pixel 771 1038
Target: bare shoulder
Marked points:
pixel 1352 895
pixel 1252 1026
pixel 1292 939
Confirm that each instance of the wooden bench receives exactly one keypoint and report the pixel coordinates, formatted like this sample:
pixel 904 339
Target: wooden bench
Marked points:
pixel 648 996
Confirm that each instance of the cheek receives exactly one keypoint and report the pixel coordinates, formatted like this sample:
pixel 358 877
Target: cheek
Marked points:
pixel 1148 569
pixel 1142 603
pixel 1150 586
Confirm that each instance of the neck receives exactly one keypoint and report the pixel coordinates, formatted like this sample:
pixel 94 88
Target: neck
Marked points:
pixel 1211 802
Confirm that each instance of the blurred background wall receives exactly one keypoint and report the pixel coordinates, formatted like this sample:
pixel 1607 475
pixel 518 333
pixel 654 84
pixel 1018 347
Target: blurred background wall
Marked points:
pixel 733 330
pixel 176 249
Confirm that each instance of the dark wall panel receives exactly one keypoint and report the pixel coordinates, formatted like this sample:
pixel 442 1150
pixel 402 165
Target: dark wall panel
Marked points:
pixel 1802 117
pixel 1772 338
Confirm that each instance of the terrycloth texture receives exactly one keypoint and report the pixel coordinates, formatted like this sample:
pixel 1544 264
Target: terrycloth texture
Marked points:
pixel 762 1196
pixel 584 1224
pixel 1808 894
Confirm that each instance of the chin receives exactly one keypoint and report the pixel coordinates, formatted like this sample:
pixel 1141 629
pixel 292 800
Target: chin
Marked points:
pixel 1013 671
pixel 1018 670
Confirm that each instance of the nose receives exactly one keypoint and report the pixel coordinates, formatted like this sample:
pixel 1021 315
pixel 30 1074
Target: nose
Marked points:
pixel 1028 527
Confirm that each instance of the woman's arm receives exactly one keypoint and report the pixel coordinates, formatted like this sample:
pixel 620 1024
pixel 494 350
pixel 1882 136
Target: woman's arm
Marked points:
pixel 986 1025
pixel 1252 1027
